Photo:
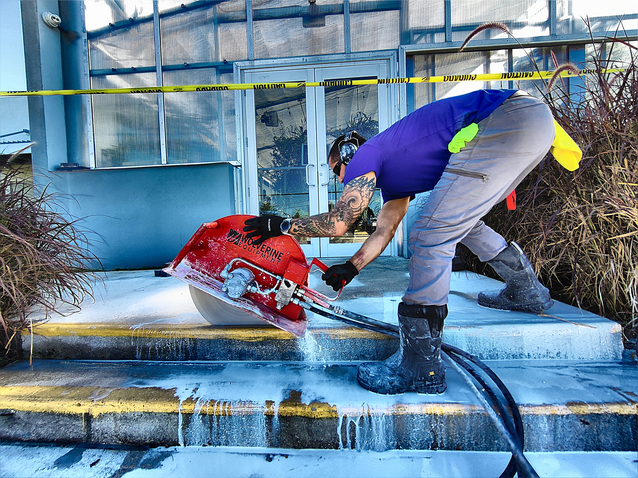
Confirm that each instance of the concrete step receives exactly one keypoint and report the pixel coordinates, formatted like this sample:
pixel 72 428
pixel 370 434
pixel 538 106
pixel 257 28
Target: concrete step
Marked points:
pixel 78 461
pixel 202 342
pixel 137 316
pixel 566 406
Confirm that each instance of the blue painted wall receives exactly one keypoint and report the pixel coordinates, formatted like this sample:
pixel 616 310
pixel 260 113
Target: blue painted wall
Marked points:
pixel 142 217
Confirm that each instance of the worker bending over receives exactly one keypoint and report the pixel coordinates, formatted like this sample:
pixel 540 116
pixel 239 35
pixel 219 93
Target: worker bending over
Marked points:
pixel 470 151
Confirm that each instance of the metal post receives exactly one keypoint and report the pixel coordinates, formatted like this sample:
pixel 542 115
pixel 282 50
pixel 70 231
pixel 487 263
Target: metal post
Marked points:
pixel 249 29
pixel 448 20
pixel 404 23
pixel 158 76
pixel 346 25
pixel 221 130
pixel 510 66
pixel 79 116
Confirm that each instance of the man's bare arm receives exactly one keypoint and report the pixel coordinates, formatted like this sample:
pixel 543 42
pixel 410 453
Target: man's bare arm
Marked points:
pixel 388 220
pixel 353 201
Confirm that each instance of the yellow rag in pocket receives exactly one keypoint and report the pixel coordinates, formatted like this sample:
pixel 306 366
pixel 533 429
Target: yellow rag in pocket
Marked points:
pixel 466 135
pixel 565 150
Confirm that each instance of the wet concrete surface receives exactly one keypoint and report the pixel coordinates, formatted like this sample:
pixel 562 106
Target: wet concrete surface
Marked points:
pixel 78 461
pixel 136 315
pixel 246 400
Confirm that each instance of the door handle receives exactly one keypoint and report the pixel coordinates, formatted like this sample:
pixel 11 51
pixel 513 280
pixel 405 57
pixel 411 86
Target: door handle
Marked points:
pixel 327 178
pixel 314 183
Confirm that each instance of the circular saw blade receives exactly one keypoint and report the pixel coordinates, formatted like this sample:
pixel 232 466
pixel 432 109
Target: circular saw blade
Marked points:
pixel 219 313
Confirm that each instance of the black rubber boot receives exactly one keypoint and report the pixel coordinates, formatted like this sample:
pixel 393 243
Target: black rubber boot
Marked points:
pixel 522 290
pixel 417 365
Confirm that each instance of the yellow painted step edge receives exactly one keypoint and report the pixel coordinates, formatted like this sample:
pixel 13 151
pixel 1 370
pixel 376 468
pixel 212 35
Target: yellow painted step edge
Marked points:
pixel 187 331
pixel 96 401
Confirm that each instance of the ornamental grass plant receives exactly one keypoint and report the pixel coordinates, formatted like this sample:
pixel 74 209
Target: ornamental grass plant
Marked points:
pixel 580 229
pixel 44 259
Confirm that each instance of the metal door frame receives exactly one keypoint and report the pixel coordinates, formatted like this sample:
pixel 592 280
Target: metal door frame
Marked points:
pixel 244 102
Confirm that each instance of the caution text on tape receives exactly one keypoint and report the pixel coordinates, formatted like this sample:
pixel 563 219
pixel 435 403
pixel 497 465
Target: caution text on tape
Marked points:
pixel 537 75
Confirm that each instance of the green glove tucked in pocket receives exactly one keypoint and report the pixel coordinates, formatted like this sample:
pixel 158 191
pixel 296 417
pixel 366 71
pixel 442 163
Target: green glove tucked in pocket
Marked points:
pixel 466 135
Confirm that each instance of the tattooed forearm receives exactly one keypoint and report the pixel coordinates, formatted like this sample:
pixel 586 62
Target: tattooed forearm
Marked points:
pixel 356 196
pixel 353 201
pixel 314 226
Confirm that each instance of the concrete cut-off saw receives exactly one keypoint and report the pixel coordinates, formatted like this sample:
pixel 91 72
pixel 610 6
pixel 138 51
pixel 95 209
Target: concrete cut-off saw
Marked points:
pixel 235 282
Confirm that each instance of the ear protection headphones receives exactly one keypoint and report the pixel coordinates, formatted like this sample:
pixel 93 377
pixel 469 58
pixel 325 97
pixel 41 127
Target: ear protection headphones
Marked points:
pixel 347 147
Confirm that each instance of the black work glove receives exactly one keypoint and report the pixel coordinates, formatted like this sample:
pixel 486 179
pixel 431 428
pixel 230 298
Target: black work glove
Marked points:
pixel 266 226
pixel 335 275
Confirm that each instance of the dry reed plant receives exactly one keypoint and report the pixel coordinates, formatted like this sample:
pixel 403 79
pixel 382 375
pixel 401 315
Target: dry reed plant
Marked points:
pixel 44 259
pixel 580 229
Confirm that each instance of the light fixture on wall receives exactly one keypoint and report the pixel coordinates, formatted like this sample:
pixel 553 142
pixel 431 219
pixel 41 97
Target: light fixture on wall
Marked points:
pixel 51 19
pixel 314 19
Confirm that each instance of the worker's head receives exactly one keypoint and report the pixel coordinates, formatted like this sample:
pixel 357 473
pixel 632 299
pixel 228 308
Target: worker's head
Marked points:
pixel 342 151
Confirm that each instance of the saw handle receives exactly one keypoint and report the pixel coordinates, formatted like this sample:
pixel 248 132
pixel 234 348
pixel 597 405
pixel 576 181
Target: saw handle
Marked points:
pixel 319 264
pixel 323 267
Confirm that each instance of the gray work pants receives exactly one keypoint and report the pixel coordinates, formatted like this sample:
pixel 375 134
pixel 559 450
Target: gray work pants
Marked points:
pixel 509 144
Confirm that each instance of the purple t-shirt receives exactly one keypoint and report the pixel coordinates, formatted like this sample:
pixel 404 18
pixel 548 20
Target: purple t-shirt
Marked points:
pixel 409 157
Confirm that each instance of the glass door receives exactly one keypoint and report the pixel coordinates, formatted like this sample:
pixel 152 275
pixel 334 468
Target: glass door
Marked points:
pixel 282 160
pixel 289 132
pixel 343 108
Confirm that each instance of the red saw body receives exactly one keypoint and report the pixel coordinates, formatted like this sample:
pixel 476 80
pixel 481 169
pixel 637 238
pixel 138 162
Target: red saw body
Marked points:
pixel 260 280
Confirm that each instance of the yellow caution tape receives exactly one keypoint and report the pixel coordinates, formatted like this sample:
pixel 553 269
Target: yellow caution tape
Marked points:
pixel 522 75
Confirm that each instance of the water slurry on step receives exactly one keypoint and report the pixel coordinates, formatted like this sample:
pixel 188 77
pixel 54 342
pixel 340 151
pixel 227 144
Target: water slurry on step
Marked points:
pixel 301 405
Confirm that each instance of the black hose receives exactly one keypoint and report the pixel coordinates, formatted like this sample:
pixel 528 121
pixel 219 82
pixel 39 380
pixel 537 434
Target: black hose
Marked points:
pixel 351 318
pixel 512 422
pixel 515 429
pixel 518 430
pixel 523 466
pixel 516 416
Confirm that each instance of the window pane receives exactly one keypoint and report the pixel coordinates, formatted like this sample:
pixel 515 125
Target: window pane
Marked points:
pixel 596 8
pixel 374 30
pixel 607 55
pixel 190 36
pixel 126 127
pixel 100 13
pixel 197 122
pixel 129 46
pixel 285 28
pixel 212 32
pixel 233 40
pixel 352 108
pixel 533 59
pixel 604 16
pixel 228 111
pixel 456 64
pixel 426 21
pixel 282 152
pixel 525 18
